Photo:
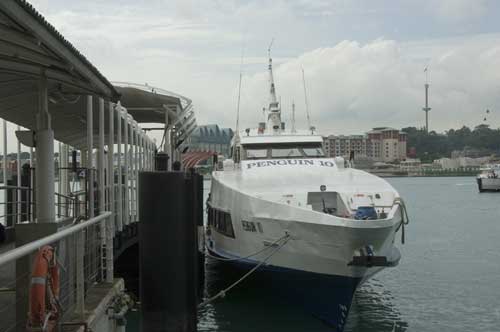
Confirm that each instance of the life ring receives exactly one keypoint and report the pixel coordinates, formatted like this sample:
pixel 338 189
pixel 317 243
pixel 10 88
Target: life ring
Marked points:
pixel 44 305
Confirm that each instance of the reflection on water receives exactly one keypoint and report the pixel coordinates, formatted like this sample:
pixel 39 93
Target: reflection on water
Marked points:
pixel 254 305
pixel 373 310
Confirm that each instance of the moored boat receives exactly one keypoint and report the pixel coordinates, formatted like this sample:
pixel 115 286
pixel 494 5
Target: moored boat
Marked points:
pixel 489 178
pixel 316 226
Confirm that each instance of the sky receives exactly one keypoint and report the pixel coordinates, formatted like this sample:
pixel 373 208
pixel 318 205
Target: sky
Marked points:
pixel 363 60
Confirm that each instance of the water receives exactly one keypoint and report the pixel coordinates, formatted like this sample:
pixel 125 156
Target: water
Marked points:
pixel 446 281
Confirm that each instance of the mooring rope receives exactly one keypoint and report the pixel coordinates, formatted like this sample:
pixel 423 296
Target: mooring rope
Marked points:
pixel 223 292
pixel 271 245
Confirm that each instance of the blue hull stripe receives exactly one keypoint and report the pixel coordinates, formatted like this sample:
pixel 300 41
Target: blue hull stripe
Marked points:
pixel 327 297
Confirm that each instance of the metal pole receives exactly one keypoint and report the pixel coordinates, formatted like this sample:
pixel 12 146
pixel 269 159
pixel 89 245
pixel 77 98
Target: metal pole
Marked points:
pixel 148 155
pixel 119 200
pixel 32 165
pixel 59 186
pixel 143 150
pixel 101 188
pixel 45 211
pixel 126 166
pixel 5 156
pixel 5 198
pixel 90 155
pixel 64 179
pixel 134 169
pixel 111 180
pixel 166 148
pixel 136 165
pixel 18 170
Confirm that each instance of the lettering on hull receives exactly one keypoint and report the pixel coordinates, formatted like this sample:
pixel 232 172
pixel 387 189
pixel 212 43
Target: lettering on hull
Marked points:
pixel 289 162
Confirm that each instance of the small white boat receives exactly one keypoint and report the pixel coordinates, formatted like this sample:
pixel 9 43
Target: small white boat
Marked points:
pixel 321 227
pixel 489 178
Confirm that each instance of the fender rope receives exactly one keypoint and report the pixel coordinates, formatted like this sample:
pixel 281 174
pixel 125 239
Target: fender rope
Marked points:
pixel 223 292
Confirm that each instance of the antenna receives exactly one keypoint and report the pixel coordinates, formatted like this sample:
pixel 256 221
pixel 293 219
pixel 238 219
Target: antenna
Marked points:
pixel 237 134
pixel 293 117
pixel 269 48
pixel 305 99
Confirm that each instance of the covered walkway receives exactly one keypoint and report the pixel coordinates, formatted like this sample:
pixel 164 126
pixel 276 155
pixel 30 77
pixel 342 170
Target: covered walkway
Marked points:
pixel 49 88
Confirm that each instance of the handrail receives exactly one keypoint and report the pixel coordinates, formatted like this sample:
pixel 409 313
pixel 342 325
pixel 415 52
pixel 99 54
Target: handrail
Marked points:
pixel 15 187
pixel 33 246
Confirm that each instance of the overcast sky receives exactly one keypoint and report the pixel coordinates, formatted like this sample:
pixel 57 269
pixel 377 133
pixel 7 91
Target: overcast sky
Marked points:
pixel 363 59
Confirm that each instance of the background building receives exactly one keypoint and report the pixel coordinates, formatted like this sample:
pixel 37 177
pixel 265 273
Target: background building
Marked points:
pixel 211 138
pixel 380 144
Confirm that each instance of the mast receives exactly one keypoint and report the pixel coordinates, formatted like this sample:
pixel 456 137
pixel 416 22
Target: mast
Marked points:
pixel 293 118
pixel 306 101
pixel 274 111
pixel 237 131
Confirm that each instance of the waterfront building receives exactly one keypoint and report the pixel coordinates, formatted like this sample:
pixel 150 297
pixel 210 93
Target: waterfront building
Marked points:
pixel 380 144
pixel 461 162
pixel 211 138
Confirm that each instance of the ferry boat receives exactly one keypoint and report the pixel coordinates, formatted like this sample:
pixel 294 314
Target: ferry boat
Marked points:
pixel 316 226
pixel 489 178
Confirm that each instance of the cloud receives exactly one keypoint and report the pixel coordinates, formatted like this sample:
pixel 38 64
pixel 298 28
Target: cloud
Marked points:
pixel 355 79
pixel 354 86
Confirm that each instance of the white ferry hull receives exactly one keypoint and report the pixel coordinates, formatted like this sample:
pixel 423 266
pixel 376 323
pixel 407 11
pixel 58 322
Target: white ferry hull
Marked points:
pixel 313 266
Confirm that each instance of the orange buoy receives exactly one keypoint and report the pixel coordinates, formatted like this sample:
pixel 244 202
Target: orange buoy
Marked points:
pixel 44 291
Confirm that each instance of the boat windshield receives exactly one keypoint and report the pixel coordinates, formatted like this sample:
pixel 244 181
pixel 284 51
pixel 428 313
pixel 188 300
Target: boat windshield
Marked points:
pixel 256 153
pixel 285 152
pixel 279 151
pixel 313 152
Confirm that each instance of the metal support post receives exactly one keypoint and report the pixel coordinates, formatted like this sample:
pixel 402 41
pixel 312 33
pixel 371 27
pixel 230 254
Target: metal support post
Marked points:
pixel 133 167
pixel 101 184
pixel 90 148
pixel 166 148
pixel 126 213
pixel 45 211
pixel 32 184
pixel 136 165
pixel 80 282
pixel 151 156
pixel 111 180
pixel 63 174
pixel 18 171
pixel 5 157
pixel 119 203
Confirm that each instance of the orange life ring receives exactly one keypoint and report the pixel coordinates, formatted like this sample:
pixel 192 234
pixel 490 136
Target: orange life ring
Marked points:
pixel 44 290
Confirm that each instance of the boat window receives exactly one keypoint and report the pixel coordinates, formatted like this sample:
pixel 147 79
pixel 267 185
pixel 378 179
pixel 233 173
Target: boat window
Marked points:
pixel 221 222
pixel 313 152
pixel 256 153
pixel 284 153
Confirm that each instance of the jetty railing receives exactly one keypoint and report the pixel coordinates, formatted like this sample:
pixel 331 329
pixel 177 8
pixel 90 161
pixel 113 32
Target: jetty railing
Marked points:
pixel 78 255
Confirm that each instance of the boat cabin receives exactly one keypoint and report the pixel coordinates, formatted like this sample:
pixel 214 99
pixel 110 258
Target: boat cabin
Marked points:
pixel 280 147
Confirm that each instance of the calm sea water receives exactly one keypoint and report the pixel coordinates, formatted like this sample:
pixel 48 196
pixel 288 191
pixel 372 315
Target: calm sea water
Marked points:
pixel 447 279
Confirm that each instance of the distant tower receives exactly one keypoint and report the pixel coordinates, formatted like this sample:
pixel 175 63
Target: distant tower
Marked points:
pixel 426 109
